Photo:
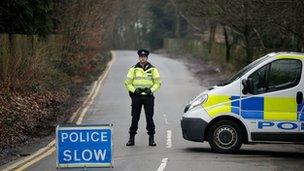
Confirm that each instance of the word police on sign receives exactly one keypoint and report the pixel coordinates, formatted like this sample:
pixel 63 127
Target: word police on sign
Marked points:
pixel 84 146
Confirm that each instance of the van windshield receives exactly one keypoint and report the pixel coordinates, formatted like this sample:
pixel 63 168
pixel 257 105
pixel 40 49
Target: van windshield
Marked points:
pixel 246 69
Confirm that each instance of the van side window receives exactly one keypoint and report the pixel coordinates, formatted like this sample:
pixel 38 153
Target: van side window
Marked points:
pixel 259 80
pixel 284 74
pixel 278 75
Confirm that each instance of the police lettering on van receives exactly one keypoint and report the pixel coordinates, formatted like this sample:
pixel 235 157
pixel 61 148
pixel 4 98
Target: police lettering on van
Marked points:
pixel 280 125
pixel 263 102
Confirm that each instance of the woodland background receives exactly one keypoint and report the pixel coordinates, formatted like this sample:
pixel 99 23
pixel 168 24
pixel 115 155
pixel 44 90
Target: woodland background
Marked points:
pixel 51 50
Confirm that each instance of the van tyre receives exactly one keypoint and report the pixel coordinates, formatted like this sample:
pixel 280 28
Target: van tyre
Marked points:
pixel 225 137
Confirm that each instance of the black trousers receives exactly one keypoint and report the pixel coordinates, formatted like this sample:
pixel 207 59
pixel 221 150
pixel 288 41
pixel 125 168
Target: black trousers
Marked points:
pixel 137 102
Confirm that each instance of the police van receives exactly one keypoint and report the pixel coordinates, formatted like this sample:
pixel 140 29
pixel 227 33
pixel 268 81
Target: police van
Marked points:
pixel 262 103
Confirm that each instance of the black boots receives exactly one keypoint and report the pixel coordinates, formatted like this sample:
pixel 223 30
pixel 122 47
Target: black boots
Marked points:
pixel 131 141
pixel 151 140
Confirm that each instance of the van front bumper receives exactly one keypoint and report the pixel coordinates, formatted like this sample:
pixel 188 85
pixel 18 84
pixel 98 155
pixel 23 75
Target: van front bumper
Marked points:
pixel 193 129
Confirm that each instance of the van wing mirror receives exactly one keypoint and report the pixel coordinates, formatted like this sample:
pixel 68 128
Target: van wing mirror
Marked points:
pixel 245 88
pixel 248 86
pixel 299 97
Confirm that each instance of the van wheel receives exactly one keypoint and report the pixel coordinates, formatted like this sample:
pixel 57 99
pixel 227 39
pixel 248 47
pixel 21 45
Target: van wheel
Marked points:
pixel 225 137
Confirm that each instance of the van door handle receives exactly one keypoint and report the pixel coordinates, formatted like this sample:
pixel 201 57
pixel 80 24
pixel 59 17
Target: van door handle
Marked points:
pixel 299 97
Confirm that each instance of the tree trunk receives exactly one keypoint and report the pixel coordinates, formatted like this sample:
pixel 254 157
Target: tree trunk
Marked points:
pixel 249 52
pixel 11 54
pixel 248 46
pixel 211 37
pixel 228 45
pixel 177 24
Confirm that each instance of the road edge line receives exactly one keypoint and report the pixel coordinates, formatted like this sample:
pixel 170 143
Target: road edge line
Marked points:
pixel 163 164
pixel 99 82
pixel 169 139
pixel 50 148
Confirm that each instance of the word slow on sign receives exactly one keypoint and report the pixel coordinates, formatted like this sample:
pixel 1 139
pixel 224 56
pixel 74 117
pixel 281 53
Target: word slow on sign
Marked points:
pixel 84 146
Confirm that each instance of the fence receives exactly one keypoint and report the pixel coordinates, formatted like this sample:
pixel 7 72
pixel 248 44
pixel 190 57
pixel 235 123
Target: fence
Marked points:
pixel 23 54
pixel 198 48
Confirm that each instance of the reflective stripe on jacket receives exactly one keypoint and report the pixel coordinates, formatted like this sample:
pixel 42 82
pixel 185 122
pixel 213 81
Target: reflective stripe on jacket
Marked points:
pixel 143 77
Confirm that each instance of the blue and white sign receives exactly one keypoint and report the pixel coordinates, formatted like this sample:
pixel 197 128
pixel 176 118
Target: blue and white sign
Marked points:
pixel 84 146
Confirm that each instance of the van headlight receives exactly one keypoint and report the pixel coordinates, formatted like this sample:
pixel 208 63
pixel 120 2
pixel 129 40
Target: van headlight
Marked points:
pixel 200 99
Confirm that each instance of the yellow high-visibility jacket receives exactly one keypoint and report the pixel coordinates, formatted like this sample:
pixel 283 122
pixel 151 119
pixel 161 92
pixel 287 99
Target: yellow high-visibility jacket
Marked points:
pixel 143 77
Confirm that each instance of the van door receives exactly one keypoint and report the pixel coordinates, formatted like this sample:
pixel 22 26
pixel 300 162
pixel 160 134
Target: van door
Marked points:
pixel 270 109
pixel 300 102
pixel 301 118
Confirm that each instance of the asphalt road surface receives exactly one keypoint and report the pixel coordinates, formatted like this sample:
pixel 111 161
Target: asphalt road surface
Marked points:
pixel 173 153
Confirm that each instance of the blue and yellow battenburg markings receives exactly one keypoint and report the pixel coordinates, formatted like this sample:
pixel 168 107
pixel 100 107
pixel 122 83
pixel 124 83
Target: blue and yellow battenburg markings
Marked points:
pixel 300 109
pixel 266 108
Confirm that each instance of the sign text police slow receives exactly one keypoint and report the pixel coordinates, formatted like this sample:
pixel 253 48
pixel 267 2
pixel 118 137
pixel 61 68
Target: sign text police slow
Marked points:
pixel 84 146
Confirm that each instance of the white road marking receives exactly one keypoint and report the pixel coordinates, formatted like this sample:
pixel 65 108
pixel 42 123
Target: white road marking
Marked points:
pixel 50 148
pixel 169 140
pixel 163 164
pixel 166 120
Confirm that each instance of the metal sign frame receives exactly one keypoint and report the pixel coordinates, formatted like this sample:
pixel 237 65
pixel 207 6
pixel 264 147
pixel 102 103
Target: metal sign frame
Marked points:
pixel 84 127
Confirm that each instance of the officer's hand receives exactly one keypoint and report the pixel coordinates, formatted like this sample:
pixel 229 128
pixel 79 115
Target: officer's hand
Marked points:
pixel 148 91
pixel 138 91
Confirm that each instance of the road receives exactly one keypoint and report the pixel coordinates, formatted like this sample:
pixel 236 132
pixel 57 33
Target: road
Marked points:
pixel 173 153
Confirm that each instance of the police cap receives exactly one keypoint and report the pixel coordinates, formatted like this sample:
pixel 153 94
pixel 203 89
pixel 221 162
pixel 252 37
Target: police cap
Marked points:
pixel 143 52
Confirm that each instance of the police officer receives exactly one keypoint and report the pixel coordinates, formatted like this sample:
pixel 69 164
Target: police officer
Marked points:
pixel 142 81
